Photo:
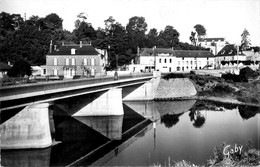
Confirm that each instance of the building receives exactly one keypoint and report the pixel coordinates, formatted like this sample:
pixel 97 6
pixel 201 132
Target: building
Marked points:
pixel 230 57
pixel 214 44
pixel 4 68
pixel 169 60
pixel 70 60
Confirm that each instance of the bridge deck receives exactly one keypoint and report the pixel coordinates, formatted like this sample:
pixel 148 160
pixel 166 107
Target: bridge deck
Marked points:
pixel 45 92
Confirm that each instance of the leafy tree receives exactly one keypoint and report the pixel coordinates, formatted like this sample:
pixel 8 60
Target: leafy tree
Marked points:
pixel 169 37
pixel 136 28
pixel 193 38
pixel 20 68
pixel 200 32
pixel 245 42
pixel 85 32
pixel 53 21
pixel 200 29
pixel 152 38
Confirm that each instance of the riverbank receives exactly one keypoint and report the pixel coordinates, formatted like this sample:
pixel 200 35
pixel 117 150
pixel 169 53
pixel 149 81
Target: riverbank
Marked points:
pixel 220 90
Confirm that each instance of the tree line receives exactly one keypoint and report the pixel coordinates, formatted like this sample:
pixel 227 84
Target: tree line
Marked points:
pixel 28 40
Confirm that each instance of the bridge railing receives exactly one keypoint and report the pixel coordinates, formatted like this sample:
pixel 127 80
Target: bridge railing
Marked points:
pixel 54 85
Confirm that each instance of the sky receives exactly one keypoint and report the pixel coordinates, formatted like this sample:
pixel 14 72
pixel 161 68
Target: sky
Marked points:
pixel 221 18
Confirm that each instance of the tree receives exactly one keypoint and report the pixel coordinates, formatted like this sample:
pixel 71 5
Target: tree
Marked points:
pixel 169 37
pixel 152 38
pixel 245 42
pixel 20 68
pixel 53 21
pixel 85 32
pixel 193 38
pixel 136 29
pixel 198 34
pixel 201 31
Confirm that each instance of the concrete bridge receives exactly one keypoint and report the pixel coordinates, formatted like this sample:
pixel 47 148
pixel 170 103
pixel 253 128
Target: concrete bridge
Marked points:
pixel 29 126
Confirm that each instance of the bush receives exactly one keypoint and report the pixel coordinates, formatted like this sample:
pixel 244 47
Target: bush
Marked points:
pixel 222 88
pixel 174 75
pixel 20 69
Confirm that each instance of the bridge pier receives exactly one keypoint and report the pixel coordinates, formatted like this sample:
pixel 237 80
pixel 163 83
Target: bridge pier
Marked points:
pixel 108 104
pixel 27 129
pixel 147 91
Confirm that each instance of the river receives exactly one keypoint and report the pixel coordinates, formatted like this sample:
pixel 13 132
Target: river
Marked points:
pixel 148 133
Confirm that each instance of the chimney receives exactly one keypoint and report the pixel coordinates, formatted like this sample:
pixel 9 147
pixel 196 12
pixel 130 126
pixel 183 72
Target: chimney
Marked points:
pixel 55 47
pixel 51 46
pixel 80 45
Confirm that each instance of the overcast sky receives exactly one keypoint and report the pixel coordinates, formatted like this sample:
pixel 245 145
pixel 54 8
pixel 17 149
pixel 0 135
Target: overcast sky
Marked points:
pixel 221 18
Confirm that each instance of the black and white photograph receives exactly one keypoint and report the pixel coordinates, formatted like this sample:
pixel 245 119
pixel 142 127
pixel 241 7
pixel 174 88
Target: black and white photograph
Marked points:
pixel 153 83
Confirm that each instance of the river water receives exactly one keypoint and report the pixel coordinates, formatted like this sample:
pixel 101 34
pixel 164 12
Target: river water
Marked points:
pixel 148 133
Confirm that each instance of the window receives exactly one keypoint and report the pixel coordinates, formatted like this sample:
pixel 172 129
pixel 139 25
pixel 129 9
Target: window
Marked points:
pixel 85 61
pixel 55 71
pixel 170 60
pixel 73 51
pixel 55 61
pixel 187 62
pixel 44 71
pixel 179 63
pixel 165 60
pixel 182 58
pixel 187 68
pixel 182 68
pixel 191 62
pixel 67 61
pixel 88 62
pixel 160 60
pixel 92 61
pixel 178 68
pixel 73 61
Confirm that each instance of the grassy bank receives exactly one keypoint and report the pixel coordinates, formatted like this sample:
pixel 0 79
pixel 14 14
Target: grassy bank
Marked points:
pixel 224 90
pixel 223 155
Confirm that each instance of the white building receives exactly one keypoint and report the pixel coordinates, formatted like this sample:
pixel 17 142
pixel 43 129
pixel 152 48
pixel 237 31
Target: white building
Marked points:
pixel 227 58
pixel 214 44
pixel 169 60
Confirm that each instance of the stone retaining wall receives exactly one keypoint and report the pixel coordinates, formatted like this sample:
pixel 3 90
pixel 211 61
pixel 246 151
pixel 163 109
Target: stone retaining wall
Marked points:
pixel 175 88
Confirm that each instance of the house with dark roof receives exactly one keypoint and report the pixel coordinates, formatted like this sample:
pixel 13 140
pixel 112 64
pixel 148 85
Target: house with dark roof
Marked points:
pixel 70 59
pixel 4 69
pixel 233 56
pixel 170 60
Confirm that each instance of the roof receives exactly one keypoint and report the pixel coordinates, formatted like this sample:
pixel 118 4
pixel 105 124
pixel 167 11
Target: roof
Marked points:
pixel 228 50
pixel 177 53
pixel 193 53
pixel 4 66
pixel 211 39
pixel 66 50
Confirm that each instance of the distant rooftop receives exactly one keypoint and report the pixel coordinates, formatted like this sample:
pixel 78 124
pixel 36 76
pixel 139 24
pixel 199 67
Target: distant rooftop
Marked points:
pixel 82 49
pixel 177 53
pixel 211 39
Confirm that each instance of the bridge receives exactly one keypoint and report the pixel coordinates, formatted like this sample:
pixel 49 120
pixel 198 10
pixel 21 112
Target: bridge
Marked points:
pixel 30 128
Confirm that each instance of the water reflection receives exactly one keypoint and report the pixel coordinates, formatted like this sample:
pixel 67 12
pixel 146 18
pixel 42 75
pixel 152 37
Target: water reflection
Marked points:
pixel 247 112
pixel 148 133
pixel 170 119
pixel 108 126
pixel 39 157
pixel 189 132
